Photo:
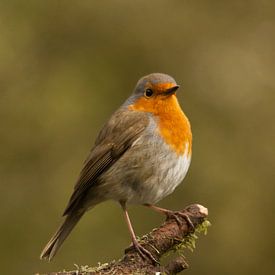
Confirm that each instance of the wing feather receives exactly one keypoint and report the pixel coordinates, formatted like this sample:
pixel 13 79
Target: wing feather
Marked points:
pixel 115 138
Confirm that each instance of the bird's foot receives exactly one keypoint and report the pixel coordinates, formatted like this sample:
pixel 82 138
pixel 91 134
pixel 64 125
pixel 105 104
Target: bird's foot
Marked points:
pixel 173 214
pixel 176 214
pixel 144 253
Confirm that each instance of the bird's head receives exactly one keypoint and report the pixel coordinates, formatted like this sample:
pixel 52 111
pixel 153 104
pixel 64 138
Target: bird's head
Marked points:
pixel 154 93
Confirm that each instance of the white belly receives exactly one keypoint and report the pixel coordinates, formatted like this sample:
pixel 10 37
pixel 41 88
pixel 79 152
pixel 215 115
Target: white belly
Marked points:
pixel 174 176
pixel 170 172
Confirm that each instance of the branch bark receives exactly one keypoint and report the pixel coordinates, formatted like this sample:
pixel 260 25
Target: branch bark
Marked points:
pixel 159 241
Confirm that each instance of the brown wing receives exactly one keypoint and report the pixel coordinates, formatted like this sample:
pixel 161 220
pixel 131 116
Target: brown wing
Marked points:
pixel 115 138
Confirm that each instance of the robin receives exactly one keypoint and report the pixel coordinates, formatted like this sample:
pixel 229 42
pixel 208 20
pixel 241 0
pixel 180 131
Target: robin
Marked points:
pixel 140 156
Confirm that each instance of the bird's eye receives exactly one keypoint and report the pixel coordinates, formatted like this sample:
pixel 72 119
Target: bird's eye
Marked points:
pixel 148 93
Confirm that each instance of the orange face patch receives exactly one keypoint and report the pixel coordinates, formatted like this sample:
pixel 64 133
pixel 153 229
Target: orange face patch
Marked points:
pixel 174 126
pixel 160 87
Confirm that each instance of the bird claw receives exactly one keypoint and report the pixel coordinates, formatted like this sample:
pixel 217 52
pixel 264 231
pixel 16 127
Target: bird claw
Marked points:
pixel 144 253
pixel 175 214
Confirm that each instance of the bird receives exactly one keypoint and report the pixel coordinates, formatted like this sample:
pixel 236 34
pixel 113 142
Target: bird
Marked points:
pixel 140 156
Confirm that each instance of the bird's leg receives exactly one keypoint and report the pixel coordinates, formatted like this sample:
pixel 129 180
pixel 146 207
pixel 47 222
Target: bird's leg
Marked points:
pixel 173 214
pixel 141 250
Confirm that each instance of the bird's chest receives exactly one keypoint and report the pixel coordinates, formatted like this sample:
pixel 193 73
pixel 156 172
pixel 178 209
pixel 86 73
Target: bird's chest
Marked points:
pixel 174 128
pixel 168 172
pixel 162 168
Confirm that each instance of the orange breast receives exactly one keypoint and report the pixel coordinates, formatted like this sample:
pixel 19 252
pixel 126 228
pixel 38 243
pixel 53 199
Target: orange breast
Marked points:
pixel 174 126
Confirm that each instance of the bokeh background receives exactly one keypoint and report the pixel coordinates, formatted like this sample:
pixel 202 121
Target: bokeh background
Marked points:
pixel 65 66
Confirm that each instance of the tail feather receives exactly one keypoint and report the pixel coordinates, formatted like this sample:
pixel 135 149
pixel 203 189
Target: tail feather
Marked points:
pixel 60 235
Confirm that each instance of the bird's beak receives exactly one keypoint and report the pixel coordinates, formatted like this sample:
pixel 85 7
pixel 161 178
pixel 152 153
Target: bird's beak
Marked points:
pixel 171 90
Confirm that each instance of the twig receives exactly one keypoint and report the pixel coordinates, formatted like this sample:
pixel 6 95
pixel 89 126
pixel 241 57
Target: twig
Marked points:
pixel 169 236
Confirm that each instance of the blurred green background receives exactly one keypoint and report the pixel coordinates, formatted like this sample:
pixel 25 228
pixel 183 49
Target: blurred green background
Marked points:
pixel 65 66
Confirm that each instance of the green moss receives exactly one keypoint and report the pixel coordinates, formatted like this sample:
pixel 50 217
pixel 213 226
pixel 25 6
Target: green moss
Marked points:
pixel 189 241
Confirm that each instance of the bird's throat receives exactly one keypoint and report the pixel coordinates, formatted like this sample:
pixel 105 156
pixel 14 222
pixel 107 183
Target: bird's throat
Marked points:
pixel 174 126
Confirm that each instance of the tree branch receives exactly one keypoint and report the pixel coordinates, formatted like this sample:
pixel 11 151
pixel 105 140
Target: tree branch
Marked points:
pixel 169 236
